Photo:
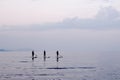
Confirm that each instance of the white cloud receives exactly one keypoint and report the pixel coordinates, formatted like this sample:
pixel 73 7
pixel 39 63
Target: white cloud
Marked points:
pixel 106 18
pixel 108 13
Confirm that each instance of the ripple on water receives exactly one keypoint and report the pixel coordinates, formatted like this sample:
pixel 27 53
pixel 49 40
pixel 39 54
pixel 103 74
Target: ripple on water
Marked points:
pixel 71 68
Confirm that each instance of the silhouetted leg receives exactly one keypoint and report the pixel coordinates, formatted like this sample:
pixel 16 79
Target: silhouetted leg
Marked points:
pixel 57 59
pixel 32 58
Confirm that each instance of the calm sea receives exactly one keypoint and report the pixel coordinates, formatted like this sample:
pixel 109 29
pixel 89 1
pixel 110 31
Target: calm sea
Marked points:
pixel 73 66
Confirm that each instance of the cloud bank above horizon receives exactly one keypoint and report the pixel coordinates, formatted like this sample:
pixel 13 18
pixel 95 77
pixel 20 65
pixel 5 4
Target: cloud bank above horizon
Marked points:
pixel 106 18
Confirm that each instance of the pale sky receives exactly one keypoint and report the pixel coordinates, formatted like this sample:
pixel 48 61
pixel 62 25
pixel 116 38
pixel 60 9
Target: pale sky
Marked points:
pixel 68 25
pixel 22 12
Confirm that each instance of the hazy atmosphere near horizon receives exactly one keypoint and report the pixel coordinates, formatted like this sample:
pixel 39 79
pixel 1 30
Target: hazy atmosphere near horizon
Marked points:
pixel 68 25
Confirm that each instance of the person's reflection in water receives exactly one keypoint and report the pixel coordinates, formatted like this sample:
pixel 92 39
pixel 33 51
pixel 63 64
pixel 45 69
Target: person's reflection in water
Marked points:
pixel 33 71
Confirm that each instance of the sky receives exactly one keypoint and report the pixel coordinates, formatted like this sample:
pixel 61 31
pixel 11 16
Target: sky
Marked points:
pixel 23 12
pixel 66 25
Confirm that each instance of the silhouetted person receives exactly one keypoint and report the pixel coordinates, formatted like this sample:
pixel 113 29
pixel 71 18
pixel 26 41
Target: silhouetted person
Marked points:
pixel 33 55
pixel 44 55
pixel 57 56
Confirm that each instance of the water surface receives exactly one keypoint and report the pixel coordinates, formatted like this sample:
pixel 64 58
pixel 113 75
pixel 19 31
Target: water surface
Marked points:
pixel 73 66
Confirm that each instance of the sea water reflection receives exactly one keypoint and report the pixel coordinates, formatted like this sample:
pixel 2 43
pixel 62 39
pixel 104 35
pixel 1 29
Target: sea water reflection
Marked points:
pixel 19 66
